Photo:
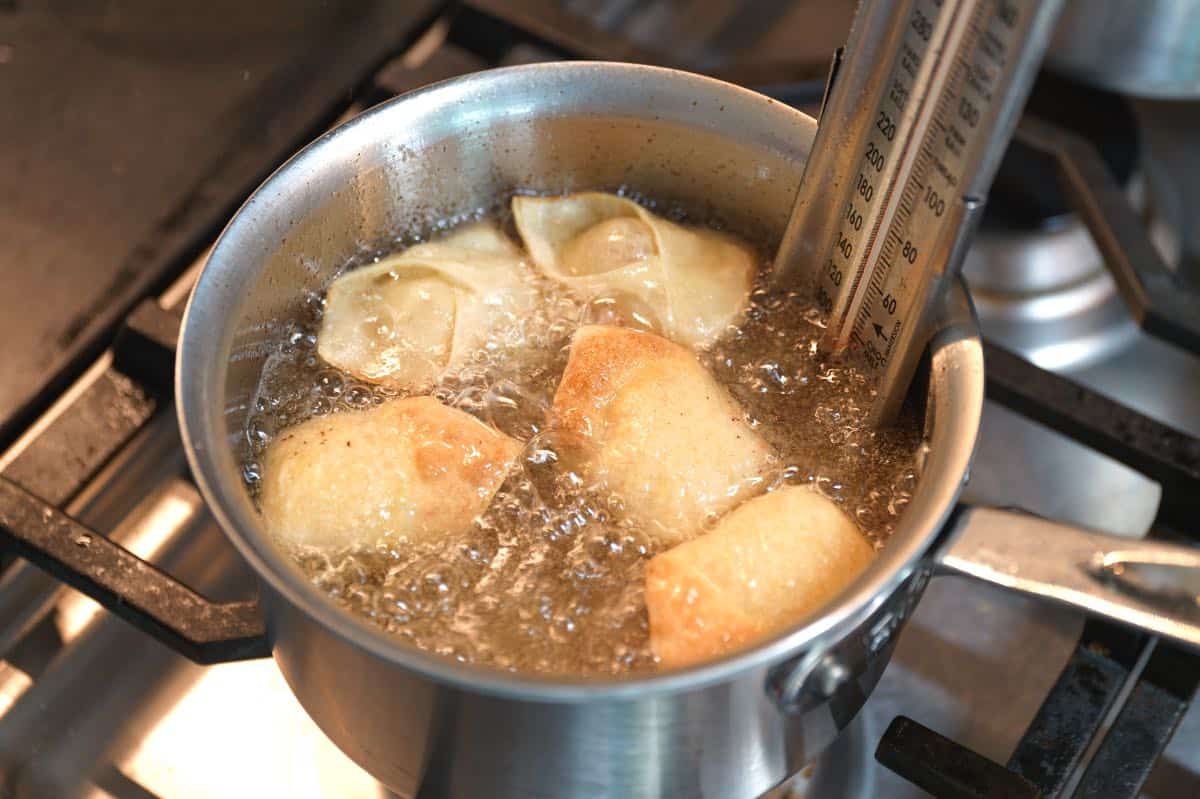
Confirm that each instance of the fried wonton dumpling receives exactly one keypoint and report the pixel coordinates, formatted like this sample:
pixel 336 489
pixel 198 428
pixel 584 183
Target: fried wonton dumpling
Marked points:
pixel 409 469
pixel 694 282
pixel 407 319
pixel 759 570
pixel 640 414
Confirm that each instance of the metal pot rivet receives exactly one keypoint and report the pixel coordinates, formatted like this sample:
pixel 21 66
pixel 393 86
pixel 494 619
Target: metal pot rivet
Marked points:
pixel 830 675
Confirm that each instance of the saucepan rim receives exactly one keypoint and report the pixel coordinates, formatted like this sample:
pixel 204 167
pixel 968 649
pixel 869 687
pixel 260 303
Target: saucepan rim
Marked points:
pixel 203 355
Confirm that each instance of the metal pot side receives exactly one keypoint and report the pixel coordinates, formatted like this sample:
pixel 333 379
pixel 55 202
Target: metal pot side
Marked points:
pixel 731 728
pixel 1147 49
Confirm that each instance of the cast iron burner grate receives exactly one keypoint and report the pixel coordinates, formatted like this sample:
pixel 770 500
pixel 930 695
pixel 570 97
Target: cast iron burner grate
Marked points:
pixel 1117 701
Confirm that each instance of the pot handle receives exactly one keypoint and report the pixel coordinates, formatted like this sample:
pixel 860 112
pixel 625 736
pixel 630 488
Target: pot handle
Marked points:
pixel 1150 585
pixel 192 625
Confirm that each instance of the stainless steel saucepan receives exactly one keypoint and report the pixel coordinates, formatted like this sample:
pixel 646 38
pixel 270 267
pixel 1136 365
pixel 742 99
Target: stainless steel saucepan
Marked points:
pixel 731 728
pixel 1149 48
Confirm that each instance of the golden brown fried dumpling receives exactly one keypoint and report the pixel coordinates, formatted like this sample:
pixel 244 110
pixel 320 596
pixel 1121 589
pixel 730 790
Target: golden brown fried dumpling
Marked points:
pixel 407 319
pixel 694 282
pixel 409 469
pixel 761 569
pixel 642 415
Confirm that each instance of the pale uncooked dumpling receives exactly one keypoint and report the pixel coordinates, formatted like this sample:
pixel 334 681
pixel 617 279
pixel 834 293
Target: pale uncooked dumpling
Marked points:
pixel 408 470
pixel 641 415
pixel 759 570
pixel 404 321
pixel 692 282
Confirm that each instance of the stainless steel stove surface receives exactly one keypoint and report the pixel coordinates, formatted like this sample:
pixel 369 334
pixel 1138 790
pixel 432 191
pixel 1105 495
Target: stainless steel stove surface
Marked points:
pixel 92 707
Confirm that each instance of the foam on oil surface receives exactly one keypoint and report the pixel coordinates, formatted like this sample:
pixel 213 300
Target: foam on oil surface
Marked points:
pixel 550 577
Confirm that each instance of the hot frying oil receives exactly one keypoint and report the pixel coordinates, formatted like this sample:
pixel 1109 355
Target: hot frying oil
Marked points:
pixel 550 578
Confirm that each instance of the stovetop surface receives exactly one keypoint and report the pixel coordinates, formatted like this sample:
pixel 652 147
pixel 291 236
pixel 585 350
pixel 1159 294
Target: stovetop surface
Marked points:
pixel 129 131
pixel 125 148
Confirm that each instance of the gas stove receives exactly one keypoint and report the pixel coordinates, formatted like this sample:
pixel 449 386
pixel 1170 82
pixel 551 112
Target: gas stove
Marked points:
pixel 987 695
